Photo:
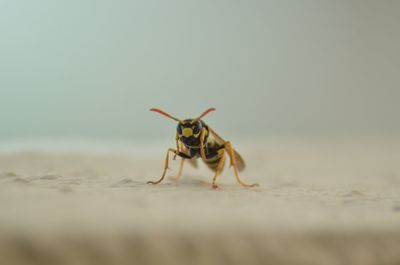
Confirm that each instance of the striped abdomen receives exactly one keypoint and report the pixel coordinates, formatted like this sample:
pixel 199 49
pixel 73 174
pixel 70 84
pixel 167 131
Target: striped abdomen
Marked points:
pixel 214 154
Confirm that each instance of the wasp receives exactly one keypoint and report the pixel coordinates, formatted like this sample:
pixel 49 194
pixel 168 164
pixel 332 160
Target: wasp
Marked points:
pixel 195 139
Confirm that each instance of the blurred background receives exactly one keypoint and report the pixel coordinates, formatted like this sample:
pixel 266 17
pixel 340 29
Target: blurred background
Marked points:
pixel 92 69
pixel 317 81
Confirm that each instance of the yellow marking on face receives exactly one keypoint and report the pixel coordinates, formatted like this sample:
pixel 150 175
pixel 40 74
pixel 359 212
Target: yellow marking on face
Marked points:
pixel 187 132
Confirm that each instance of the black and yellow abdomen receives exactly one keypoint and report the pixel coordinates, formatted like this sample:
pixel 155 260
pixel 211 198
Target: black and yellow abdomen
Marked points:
pixel 214 154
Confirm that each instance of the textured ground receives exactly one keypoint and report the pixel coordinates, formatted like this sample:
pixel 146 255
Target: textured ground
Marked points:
pixel 321 201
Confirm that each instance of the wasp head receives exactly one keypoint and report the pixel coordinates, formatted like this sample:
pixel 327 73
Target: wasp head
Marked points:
pixel 190 127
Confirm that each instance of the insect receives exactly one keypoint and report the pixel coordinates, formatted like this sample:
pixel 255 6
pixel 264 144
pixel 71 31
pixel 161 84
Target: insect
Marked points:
pixel 195 139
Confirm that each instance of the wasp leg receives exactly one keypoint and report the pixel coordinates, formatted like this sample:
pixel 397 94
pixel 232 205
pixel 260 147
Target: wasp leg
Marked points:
pixel 219 168
pixel 202 145
pixel 183 155
pixel 180 171
pixel 178 146
pixel 232 159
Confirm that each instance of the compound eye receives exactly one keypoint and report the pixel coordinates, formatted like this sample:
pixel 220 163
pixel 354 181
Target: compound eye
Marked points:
pixel 195 129
pixel 179 129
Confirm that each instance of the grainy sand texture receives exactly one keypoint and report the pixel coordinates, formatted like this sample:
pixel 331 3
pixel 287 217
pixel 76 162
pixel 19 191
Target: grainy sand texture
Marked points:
pixel 320 201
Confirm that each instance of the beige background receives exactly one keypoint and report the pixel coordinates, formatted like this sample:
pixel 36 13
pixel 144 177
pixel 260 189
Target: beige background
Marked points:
pixel 320 201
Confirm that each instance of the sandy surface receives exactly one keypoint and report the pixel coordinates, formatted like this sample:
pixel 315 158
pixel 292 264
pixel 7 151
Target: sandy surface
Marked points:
pixel 321 201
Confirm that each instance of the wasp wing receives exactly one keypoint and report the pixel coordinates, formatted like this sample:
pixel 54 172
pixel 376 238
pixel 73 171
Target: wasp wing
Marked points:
pixel 240 164
pixel 193 162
